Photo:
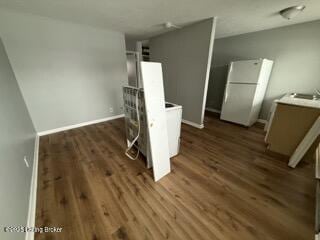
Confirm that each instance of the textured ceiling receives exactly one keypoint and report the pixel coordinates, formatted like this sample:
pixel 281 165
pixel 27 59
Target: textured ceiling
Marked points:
pixel 143 18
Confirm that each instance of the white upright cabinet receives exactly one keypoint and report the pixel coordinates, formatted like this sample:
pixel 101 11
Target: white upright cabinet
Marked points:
pixel 245 89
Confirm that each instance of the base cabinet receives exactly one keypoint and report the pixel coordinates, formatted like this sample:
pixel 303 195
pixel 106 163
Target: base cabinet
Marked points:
pixel 288 126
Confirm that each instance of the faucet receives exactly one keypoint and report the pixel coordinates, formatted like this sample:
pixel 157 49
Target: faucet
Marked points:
pixel 318 92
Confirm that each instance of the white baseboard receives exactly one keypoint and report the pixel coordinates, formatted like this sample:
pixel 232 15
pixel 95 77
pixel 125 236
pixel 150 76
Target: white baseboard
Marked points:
pixel 33 191
pixel 196 125
pixel 47 132
pixel 262 121
pixel 213 110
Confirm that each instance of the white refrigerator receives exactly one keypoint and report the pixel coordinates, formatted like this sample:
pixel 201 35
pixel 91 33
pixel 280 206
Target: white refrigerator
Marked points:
pixel 245 89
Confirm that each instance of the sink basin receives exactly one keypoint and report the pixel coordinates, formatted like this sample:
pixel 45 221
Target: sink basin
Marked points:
pixel 305 96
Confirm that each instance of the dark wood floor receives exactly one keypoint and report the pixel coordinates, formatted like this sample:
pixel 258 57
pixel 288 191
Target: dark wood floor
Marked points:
pixel 223 186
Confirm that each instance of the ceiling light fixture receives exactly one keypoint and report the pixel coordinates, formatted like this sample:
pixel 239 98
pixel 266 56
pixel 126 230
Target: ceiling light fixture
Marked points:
pixel 291 12
pixel 170 25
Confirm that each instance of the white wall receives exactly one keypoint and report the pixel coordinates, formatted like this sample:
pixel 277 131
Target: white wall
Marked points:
pixel 67 73
pixel 17 139
pixel 296 53
pixel 185 55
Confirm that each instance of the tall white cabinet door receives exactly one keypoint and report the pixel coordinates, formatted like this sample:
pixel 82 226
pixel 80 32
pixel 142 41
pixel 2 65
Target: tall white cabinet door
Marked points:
pixel 244 71
pixel 156 118
pixel 237 103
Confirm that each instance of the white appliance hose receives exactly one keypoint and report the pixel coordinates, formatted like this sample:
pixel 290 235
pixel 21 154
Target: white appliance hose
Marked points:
pixel 138 134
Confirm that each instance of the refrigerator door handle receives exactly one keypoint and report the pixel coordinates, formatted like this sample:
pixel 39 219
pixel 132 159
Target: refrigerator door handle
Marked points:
pixel 226 94
pixel 230 68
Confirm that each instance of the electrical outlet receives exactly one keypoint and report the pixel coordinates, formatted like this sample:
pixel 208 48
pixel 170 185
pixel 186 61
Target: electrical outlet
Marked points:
pixel 111 110
pixel 26 161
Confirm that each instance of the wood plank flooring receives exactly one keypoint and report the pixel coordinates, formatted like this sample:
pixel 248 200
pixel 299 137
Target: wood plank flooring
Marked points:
pixel 223 186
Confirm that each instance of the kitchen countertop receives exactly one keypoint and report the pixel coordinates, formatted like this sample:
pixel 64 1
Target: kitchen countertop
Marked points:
pixel 287 99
